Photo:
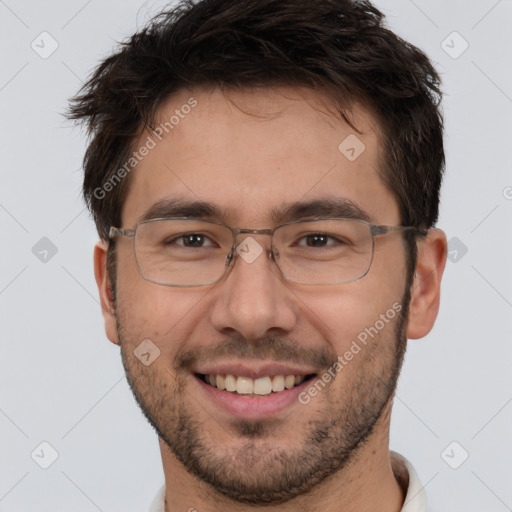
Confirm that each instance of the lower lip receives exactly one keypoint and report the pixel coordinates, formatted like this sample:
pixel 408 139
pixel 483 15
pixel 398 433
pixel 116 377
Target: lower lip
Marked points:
pixel 253 407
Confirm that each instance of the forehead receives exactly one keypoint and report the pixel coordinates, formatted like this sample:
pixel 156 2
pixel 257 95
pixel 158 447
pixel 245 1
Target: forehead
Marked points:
pixel 253 151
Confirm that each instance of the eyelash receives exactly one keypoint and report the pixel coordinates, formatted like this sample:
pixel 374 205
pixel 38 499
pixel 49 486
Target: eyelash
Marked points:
pixel 300 239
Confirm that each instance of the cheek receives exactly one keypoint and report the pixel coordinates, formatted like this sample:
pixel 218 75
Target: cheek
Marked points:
pixel 167 316
pixel 360 310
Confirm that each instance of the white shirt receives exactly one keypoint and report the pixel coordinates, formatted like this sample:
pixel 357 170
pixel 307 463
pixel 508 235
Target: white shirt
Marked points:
pixel 415 499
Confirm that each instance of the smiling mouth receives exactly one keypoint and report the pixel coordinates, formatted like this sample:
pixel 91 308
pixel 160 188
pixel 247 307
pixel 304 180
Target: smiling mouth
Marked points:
pixel 238 385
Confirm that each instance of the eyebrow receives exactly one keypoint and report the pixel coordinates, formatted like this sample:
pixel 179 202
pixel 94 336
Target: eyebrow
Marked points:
pixel 326 208
pixel 179 207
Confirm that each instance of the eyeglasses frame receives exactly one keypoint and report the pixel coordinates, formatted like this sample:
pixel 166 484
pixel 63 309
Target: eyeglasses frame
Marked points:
pixel 375 230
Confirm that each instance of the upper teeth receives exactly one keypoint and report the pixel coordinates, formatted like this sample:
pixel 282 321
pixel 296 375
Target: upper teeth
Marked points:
pixel 248 386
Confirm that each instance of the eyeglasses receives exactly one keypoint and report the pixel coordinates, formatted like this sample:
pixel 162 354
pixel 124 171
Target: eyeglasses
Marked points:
pixel 181 251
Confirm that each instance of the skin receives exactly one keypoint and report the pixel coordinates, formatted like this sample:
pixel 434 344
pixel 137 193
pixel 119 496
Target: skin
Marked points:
pixel 250 152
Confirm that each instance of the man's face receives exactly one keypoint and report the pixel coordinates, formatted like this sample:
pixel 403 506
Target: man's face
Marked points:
pixel 273 149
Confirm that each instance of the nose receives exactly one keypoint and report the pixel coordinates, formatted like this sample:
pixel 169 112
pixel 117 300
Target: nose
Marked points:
pixel 253 298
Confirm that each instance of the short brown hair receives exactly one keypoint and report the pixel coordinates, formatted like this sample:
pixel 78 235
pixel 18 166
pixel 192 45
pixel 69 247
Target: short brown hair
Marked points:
pixel 341 47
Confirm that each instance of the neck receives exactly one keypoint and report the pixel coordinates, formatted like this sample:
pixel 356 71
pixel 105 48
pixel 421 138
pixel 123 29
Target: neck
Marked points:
pixel 366 484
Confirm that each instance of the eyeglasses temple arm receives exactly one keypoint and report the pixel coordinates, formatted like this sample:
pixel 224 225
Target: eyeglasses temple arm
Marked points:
pixel 384 230
pixel 129 233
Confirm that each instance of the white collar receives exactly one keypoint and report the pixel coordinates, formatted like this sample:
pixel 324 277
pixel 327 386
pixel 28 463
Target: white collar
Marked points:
pixel 415 499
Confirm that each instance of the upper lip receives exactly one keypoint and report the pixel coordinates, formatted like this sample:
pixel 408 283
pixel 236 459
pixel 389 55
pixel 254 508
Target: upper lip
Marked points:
pixel 252 370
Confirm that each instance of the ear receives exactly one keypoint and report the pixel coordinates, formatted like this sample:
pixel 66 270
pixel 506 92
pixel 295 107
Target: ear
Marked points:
pixel 426 287
pixel 105 290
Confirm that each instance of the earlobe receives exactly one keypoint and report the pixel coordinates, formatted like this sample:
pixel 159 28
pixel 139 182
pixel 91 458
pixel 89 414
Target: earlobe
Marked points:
pixel 426 287
pixel 105 290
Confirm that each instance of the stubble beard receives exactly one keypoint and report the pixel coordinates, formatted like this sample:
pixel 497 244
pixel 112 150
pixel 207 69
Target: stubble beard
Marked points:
pixel 255 470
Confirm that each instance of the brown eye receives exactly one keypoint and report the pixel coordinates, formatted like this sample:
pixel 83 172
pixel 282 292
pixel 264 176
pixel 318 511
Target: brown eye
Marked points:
pixel 194 240
pixel 318 240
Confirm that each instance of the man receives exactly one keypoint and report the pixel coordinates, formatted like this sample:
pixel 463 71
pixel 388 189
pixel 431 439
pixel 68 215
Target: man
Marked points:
pixel 264 176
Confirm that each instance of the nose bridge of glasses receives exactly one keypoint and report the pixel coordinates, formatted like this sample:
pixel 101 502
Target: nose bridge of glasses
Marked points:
pixel 244 231
pixel 238 231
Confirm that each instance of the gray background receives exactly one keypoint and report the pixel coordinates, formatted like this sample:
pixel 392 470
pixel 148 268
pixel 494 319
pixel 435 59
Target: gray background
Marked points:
pixel 62 382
